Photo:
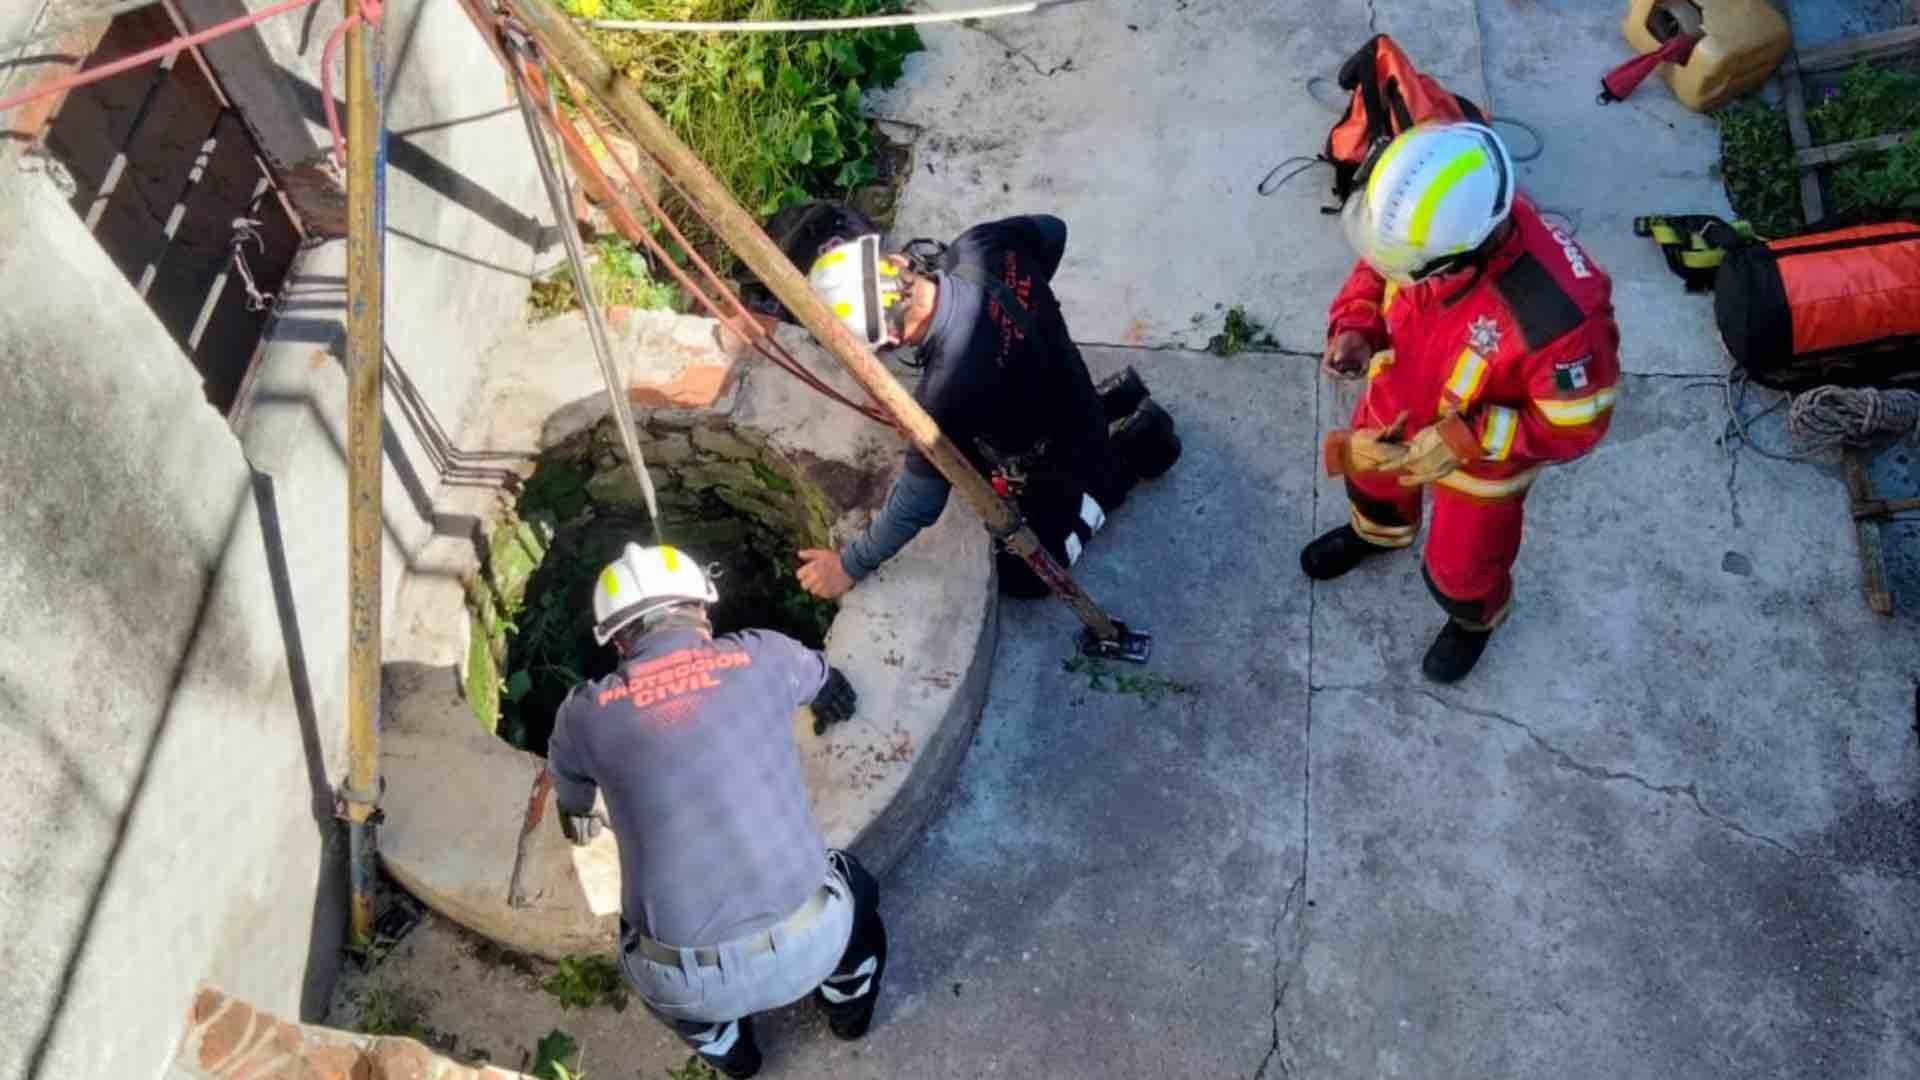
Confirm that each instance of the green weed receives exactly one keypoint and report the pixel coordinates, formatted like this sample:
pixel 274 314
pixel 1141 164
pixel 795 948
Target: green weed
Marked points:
pixel 581 982
pixel 775 116
pixel 1151 689
pixel 1756 164
pixel 1757 152
pixel 384 1011
pixel 1241 333
pixel 693 1069
pixel 550 1054
pixel 620 276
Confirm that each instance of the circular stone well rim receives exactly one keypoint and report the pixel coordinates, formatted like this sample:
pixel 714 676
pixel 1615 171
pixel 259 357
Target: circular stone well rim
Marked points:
pixel 916 639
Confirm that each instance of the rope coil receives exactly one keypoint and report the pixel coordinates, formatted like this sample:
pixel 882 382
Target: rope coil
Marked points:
pixel 1830 416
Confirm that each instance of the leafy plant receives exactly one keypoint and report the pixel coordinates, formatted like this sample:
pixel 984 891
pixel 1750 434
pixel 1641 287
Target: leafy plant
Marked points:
pixel 1868 102
pixel 550 1054
pixel 1106 680
pixel 775 116
pixel 1757 160
pixel 1241 333
pixel 620 276
pixel 581 982
pixel 1756 163
pixel 384 1011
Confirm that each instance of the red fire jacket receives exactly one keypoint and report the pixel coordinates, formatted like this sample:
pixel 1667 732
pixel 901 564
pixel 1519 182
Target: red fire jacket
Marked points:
pixel 1527 354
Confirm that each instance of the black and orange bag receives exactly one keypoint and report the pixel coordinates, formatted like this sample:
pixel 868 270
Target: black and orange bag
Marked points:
pixel 1390 95
pixel 1830 307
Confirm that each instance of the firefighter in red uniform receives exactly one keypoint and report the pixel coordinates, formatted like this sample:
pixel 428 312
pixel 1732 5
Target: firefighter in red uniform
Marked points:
pixel 1490 351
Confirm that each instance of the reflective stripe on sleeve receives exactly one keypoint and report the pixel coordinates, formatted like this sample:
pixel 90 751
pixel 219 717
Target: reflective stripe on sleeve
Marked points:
pixel 1577 412
pixel 1497 439
pixel 1469 375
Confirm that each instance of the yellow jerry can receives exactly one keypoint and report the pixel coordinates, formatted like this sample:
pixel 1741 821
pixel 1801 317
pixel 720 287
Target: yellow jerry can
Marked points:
pixel 1742 42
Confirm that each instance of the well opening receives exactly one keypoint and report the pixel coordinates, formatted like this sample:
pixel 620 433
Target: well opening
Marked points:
pixel 726 498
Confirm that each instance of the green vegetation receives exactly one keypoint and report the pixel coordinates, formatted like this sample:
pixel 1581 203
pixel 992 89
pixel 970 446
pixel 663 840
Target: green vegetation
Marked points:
pixel 776 116
pixel 384 1011
pixel 740 507
pixel 549 1057
pixel 693 1069
pixel 1149 688
pixel 621 278
pixel 1756 163
pixel 581 982
pixel 1241 333
pixel 1757 152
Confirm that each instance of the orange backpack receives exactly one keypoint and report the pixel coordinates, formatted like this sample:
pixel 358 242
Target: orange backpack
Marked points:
pixel 1389 96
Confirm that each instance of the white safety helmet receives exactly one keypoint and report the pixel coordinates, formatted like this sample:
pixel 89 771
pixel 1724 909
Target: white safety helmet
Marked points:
pixel 1434 194
pixel 867 292
pixel 643 582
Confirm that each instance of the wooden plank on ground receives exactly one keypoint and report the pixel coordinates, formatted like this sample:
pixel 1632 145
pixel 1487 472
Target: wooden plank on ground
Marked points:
pixel 1835 153
pixel 1852 50
pixel 1873 564
pixel 1812 207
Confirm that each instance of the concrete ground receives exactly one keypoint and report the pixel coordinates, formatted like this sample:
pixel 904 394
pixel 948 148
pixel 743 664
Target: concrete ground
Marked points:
pixel 1668 828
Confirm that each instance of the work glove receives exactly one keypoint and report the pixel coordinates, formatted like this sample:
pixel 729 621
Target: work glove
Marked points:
pixel 1437 451
pixel 1346 355
pixel 1365 449
pixel 835 702
pixel 581 828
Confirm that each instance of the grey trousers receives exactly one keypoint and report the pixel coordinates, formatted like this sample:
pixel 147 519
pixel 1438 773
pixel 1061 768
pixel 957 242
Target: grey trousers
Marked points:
pixel 741 985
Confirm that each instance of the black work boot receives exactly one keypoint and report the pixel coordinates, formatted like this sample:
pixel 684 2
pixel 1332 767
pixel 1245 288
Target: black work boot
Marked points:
pixel 1337 552
pixel 1121 394
pixel 1145 442
pixel 1454 652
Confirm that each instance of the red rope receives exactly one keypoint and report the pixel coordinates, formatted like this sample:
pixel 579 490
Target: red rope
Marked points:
pixel 368 13
pixel 75 80
pixel 762 341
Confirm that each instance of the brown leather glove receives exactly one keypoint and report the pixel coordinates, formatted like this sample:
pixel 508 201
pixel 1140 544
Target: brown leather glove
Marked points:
pixel 1438 450
pixel 1357 450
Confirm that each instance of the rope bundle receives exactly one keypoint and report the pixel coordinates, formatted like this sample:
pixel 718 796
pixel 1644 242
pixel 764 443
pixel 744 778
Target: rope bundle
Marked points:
pixel 1830 416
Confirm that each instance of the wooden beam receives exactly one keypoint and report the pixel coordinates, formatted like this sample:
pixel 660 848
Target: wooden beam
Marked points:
pixel 1866 532
pixel 1835 153
pixel 1851 51
pixel 1812 207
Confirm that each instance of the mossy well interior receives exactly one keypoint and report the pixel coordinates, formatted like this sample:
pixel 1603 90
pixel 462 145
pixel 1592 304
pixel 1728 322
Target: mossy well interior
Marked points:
pixel 726 498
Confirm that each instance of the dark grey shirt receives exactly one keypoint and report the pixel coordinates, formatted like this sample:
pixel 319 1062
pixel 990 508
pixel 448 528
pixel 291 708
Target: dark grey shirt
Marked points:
pixel 692 742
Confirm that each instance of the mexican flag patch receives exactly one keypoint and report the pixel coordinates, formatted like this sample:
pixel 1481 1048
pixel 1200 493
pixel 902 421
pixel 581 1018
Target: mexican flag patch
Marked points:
pixel 1571 376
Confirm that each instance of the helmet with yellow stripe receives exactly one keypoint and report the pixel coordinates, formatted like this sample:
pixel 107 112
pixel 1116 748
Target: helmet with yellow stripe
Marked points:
pixel 1430 199
pixel 646 582
pixel 867 291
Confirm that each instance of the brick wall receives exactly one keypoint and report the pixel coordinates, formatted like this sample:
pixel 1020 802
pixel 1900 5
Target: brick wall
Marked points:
pixel 226 1039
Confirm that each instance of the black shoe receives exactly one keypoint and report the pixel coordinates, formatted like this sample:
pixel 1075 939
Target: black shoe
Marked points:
pixel 1145 442
pixel 1337 552
pixel 742 1057
pixel 1454 652
pixel 1121 394
pixel 849 1000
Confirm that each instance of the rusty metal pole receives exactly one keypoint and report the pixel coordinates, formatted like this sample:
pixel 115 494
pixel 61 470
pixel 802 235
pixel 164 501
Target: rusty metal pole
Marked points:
pixel 566 47
pixel 366 295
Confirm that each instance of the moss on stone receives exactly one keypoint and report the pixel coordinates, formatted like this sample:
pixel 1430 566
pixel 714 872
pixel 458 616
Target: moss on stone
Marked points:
pixel 483 676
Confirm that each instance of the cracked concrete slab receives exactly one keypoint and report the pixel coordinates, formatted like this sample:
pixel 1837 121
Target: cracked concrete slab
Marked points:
pixel 1521 915
pixel 1695 613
